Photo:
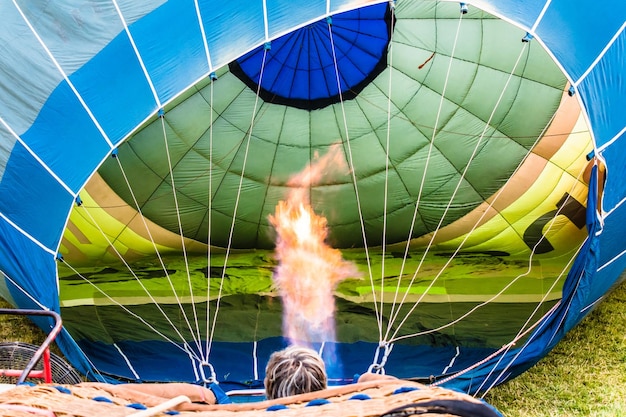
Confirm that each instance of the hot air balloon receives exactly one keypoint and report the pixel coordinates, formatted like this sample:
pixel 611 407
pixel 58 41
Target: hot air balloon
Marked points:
pixel 467 163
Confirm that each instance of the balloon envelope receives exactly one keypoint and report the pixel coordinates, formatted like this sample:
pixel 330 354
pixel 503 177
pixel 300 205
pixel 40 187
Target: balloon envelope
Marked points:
pixel 460 188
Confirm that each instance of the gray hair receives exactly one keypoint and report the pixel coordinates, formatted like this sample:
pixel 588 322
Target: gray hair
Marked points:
pixel 294 370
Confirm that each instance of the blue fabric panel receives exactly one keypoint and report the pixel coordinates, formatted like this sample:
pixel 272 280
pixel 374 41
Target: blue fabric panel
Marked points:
pixel 577 34
pixel 73 354
pixel 119 103
pixel 233 362
pixel 581 279
pixel 513 362
pixel 604 94
pixel 611 251
pixel 66 139
pixel 32 268
pixel 281 18
pixel 240 22
pixel 177 39
pixel 604 247
pixel 614 191
pixel 7 141
pixel 301 65
pixel 38 203
pixel 300 69
pixel 523 13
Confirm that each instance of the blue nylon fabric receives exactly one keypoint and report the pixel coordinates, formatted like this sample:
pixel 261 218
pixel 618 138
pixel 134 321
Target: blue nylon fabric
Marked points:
pixel 66 343
pixel 602 91
pixel 524 13
pixel 118 103
pixel 34 201
pixel 220 395
pixel 571 24
pixel 577 287
pixel 281 17
pixel 22 257
pixel 610 261
pixel 178 39
pixel 296 62
pixel 276 407
pixel 76 144
pixel 613 191
pixel 234 364
pixel 235 27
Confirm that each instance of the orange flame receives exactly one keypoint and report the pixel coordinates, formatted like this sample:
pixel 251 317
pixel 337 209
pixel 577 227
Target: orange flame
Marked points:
pixel 309 270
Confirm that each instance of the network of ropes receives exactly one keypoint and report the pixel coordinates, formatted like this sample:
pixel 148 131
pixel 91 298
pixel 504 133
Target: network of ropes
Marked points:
pixel 391 315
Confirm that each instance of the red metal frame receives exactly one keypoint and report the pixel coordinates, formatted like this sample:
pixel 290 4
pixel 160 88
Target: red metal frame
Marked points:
pixel 42 353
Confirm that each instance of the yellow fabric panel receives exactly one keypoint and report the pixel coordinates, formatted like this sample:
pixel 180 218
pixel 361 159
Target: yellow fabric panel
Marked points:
pixel 503 231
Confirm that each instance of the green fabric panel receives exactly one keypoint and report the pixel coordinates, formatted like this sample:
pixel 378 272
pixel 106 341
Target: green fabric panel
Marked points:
pixel 250 303
pixel 526 122
pixel 281 141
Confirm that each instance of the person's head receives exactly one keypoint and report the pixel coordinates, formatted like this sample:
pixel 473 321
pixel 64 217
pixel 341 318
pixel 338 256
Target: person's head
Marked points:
pixel 294 370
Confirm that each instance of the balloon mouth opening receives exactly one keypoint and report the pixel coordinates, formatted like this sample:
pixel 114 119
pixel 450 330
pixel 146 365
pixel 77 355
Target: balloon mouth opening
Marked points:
pixel 311 57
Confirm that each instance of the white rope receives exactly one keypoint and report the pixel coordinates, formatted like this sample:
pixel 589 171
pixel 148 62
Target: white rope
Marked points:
pixel 239 188
pixel 19 287
pixel 451 364
pixel 203 32
pixel 475 226
pixel 209 220
pixel 482 216
pixel 65 76
pixel 542 322
pixel 138 317
pixel 504 349
pixel 130 269
pixel 522 329
pixel 156 250
pixel 460 318
pixel 354 183
pixel 386 191
pixel 180 231
pixel 37 158
pixel 255 360
pixel 210 193
pixel 138 55
pixel 600 55
pixel 393 313
pixel 28 235
pixel 474 152
pixel 130 366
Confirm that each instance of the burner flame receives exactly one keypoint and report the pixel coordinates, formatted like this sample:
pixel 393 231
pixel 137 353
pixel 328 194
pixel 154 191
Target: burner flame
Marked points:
pixel 309 270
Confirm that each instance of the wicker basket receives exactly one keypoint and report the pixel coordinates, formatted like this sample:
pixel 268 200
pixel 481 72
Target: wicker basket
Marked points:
pixel 377 398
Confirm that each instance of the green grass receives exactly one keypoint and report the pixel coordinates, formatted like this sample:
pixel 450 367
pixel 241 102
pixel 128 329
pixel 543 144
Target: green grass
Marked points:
pixel 585 374
pixel 14 328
